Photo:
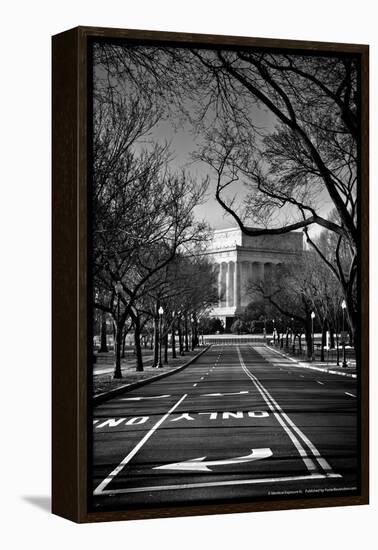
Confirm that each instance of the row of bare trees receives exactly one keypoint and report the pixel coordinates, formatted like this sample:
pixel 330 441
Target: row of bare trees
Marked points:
pixel 296 291
pixel 285 125
pixel 145 235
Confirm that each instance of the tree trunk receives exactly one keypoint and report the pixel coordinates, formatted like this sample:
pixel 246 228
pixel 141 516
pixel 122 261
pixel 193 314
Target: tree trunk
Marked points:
pixel 324 340
pixel 186 333
pixel 118 346
pixel 173 342
pixel 179 330
pixel 124 334
pixel 166 348
pixel 138 347
pixel 308 337
pixel 103 343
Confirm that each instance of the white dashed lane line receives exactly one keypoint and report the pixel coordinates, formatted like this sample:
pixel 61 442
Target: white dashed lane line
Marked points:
pixel 350 394
pixel 321 383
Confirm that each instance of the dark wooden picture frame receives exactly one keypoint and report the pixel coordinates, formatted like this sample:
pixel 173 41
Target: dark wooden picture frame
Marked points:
pixel 71 400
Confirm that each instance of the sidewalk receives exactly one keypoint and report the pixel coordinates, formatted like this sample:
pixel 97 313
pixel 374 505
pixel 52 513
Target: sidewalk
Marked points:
pixel 331 368
pixel 105 363
pixel 104 382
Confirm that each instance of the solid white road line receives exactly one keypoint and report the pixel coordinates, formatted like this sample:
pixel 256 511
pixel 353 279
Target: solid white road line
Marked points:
pixel 221 394
pixel 320 369
pixel 134 451
pixel 282 354
pixel 351 394
pixel 256 481
pixel 321 461
pixel 310 465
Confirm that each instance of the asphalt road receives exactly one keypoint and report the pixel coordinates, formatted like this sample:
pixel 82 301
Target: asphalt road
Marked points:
pixel 239 423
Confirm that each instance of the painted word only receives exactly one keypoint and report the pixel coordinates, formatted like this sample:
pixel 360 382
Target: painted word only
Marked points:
pixel 136 420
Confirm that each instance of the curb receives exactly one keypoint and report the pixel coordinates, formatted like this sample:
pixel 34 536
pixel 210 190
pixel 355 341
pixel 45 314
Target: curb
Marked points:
pixel 102 397
pixel 305 366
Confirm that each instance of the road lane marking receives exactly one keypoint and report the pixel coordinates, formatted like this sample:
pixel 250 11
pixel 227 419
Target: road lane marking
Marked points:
pixel 194 385
pixel 310 465
pixel 222 394
pixel 321 461
pixel 146 397
pixel 321 383
pixel 200 465
pixel 227 483
pixel 99 489
pixel 351 394
pixel 110 423
pixel 282 354
pixel 305 366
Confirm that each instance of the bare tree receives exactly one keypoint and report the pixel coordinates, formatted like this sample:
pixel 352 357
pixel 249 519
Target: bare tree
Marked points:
pixel 306 158
pixel 142 212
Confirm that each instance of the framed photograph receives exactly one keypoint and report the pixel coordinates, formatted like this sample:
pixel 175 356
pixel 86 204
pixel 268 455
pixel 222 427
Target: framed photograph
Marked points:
pixel 210 274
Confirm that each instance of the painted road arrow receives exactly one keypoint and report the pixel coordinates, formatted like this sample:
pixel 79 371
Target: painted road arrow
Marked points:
pixel 223 394
pixel 199 464
pixel 140 398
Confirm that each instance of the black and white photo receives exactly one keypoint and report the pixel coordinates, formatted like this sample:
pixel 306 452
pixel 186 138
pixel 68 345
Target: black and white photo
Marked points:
pixel 225 274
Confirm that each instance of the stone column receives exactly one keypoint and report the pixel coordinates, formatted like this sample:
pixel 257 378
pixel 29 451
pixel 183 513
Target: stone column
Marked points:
pixel 219 283
pixel 244 281
pixel 223 279
pixel 231 295
pixel 237 284
pixel 228 284
pixel 250 271
pixel 262 271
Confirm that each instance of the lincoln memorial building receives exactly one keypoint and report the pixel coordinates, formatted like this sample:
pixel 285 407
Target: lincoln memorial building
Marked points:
pixel 241 259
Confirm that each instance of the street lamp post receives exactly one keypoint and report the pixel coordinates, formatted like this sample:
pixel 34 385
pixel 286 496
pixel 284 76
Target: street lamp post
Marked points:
pixel 312 334
pixel 264 329
pixel 160 311
pixel 117 343
pixel 337 342
pixel 192 332
pixel 292 335
pixel 173 331
pixel 343 307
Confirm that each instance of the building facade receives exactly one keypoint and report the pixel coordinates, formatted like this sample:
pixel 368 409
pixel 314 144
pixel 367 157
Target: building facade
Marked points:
pixel 241 259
